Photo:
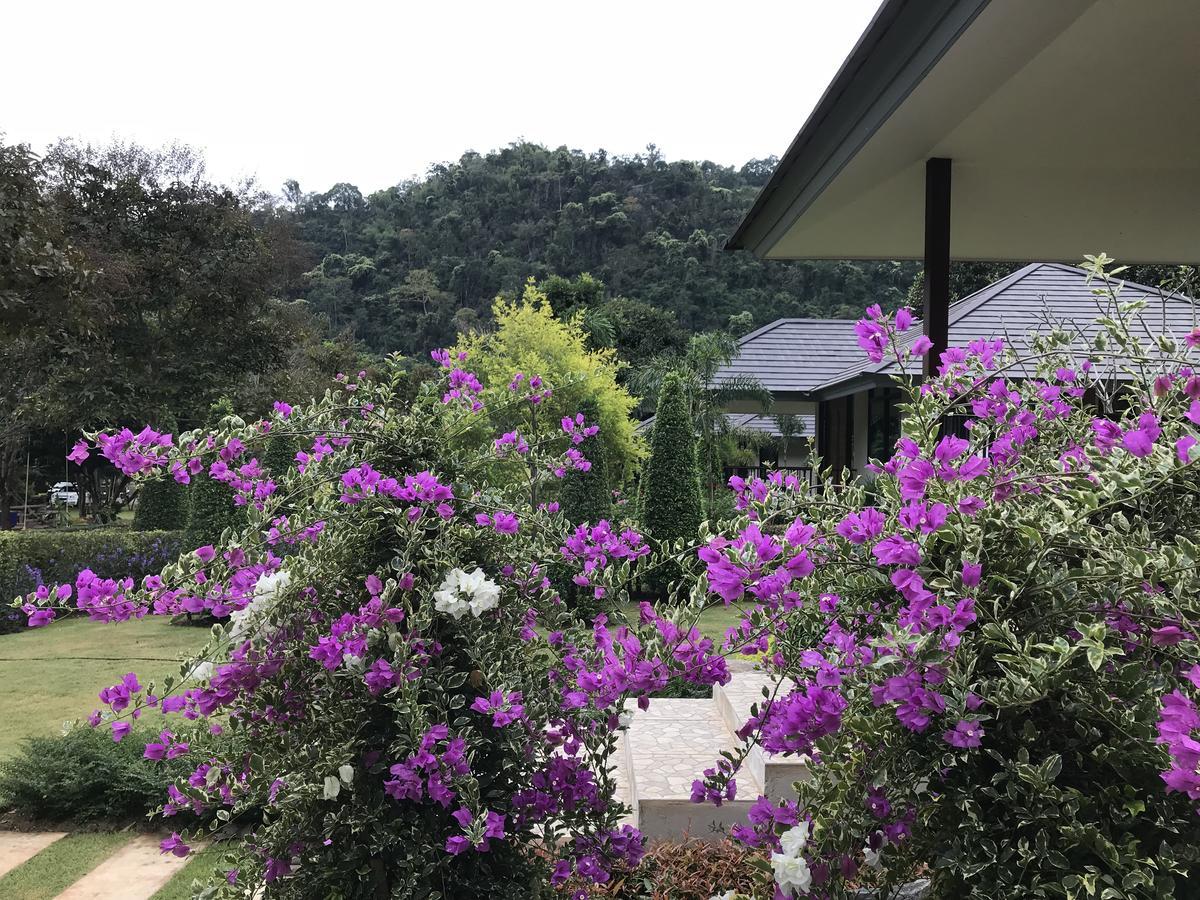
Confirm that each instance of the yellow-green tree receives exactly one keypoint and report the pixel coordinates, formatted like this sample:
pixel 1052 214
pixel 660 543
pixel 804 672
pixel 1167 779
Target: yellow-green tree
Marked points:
pixel 529 339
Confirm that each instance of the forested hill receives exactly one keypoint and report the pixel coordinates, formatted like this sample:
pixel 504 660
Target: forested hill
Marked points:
pixel 404 268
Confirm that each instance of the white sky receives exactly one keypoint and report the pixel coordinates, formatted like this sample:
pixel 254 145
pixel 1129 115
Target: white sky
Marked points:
pixel 372 93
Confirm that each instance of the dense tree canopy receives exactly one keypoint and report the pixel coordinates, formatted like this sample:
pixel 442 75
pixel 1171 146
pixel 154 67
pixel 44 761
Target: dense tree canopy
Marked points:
pixel 406 267
pixel 134 290
pixel 529 339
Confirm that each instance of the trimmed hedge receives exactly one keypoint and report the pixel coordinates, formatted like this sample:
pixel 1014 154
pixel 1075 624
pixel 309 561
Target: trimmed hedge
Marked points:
pixel 83 776
pixel 587 496
pixel 162 506
pixel 29 559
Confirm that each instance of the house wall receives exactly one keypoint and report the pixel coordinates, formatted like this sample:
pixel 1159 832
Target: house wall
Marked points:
pixel 798 453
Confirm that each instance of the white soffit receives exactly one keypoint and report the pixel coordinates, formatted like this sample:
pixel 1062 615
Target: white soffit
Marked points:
pixel 1073 126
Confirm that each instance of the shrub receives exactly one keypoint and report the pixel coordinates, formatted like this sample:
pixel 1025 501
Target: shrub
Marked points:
pixel 670 502
pixel 587 496
pixel 530 340
pixel 994 657
pixel 280 454
pixel 400 695
pixel 669 498
pixel 162 506
pixel 83 776
pixel 210 511
pixel 30 559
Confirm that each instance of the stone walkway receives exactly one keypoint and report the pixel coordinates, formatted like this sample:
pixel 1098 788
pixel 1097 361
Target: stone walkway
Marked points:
pixel 17 846
pixel 671 744
pixel 135 871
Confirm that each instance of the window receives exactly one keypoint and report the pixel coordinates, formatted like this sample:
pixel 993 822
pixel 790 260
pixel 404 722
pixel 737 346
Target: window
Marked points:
pixel 883 422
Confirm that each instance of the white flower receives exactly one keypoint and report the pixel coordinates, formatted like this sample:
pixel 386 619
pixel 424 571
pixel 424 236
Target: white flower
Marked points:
pixel 794 840
pixel 469 582
pixel 202 671
pixel 450 603
pixel 346 773
pixel 486 597
pixel 791 873
pixel 268 586
pixel 872 856
pixel 333 787
pixel 624 720
pixel 466 591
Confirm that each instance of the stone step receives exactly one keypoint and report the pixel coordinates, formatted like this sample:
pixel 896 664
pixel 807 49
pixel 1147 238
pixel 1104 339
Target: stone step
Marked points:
pixel 777 774
pixel 623 775
pixel 670 745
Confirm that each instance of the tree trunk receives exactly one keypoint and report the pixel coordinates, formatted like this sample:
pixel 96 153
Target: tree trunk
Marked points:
pixel 6 468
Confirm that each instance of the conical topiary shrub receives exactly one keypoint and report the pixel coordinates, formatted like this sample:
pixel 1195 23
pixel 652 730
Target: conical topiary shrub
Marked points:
pixel 210 503
pixel 670 495
pixel 162 505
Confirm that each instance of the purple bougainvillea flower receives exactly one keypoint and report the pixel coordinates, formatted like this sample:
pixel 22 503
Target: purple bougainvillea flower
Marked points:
pixel 1183 448
pixel 79 452
pixel 175 846
pixel 966 734
pixel 971 574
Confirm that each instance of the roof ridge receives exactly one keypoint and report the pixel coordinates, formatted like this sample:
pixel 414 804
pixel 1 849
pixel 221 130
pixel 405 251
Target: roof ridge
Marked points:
pixel 758 332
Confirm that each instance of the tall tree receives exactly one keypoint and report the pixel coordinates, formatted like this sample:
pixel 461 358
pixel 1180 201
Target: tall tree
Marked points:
pixel 42 310
pixel 182 275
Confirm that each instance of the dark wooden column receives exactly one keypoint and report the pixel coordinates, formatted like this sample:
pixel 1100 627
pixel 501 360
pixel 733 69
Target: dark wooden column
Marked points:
pixel 936 314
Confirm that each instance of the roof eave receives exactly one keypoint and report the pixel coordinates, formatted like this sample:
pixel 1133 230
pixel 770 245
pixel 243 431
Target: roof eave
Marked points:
pixel 898 48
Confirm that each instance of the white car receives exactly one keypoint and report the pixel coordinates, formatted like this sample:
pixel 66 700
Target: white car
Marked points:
pixel 65 493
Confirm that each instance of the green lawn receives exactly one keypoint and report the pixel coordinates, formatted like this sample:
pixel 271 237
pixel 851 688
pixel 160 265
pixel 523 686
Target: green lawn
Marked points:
pixel 714 621
pixel 199 866
pixel 52 675
pixel 58 866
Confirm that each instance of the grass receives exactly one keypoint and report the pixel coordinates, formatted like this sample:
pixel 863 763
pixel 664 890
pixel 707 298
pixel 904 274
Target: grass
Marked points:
pixel 59 865
pixel 714 621
pixel 52 675
pixel 199 866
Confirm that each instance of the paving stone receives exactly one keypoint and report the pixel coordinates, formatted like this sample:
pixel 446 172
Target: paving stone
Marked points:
pixel 669 746
pixel 777 774
pixel 18 846
pixel 134 872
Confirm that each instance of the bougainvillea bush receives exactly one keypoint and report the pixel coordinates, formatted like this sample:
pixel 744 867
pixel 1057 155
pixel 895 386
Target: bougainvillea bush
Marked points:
pixel 991 649
pixel 395 702
pixel 987 653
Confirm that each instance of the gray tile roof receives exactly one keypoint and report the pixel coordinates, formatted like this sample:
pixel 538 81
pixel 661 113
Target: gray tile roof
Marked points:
pixel 752 422
pixel 794 354
pixel 767 424
pixel 1037 298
